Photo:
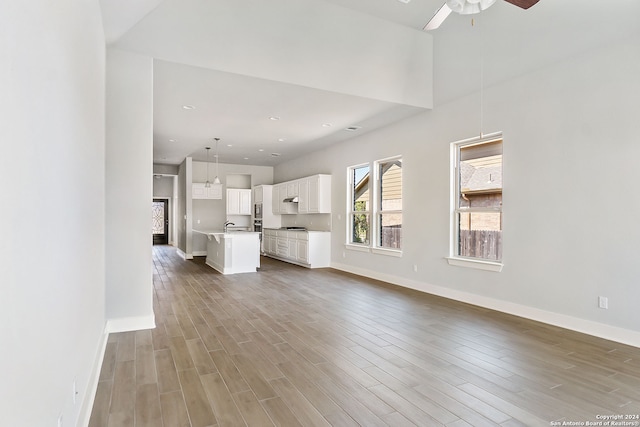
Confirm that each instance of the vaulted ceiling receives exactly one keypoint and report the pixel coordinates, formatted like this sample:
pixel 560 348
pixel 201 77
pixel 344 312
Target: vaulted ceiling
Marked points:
pixel 321 67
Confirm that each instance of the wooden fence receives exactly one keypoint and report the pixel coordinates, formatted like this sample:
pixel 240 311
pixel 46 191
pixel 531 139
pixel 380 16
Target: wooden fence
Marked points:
pixel 485 244
pixel 392 237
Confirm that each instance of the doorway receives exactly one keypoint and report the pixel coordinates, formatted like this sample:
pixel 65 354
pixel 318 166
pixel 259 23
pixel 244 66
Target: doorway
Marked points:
pixel 160 222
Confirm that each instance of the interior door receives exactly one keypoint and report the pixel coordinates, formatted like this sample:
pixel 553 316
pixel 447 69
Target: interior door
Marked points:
pixel 160 222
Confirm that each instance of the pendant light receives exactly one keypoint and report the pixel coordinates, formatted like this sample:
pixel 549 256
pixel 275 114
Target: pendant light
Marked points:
pixel 216 180
pixel 207 184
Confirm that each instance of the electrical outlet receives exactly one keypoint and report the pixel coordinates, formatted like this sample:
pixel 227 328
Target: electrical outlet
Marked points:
pixel 603 302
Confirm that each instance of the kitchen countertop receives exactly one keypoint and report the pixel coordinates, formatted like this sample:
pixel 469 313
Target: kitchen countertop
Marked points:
pixel 217 234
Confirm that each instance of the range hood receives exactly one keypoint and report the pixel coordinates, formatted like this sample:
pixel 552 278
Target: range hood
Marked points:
pixel 291 200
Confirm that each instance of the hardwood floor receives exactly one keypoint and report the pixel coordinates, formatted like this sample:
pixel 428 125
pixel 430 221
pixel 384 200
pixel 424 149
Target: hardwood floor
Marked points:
pixel 290 346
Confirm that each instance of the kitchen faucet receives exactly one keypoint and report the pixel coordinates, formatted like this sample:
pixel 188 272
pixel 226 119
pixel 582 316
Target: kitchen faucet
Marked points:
pixel 227 224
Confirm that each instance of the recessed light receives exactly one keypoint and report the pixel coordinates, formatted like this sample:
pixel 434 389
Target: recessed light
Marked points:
pixel 274 118
pixel 246 158
pixel 353 128
pixel 327 125
pixel 261 149
pixel 188 107
pixel 275 154
pixel 173 140
pixel 281 140
pixel 229 145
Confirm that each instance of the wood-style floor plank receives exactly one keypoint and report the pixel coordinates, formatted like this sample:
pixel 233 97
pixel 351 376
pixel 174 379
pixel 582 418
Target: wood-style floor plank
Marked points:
pixel 291 346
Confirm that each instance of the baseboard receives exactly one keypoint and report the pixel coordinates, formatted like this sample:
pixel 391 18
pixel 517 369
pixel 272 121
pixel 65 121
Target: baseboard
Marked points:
pixel 199 253
pixel 183 255
pixel 601 330
pixel 126 324
pixel 92 387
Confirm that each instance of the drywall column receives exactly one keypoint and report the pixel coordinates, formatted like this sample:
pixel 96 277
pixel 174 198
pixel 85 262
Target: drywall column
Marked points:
pixel 52 273
pixel 129 191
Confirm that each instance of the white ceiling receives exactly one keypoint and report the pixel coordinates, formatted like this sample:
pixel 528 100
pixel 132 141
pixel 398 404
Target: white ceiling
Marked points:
pixel 506 40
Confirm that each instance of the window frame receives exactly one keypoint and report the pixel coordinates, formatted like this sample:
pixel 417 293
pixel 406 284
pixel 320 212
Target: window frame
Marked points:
pixel 378 211
pixel 375 209
pixel 454 258
pixel 351 212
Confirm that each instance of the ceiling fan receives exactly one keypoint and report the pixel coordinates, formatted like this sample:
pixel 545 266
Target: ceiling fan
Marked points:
pixel 468 7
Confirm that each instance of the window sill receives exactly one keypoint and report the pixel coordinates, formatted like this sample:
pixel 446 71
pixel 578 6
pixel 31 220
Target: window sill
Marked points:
pixel 358 248
pixel 475 263
pixel 389 252
pixel 380 251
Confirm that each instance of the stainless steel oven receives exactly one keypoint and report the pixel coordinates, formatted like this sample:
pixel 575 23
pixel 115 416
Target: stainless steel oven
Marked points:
pixel 257 211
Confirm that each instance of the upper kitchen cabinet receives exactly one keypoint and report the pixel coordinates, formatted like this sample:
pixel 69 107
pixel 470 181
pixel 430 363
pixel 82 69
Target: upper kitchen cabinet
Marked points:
pixel 314 194
pixel 277 198
pixel 238 201
pixel 258 194
pixel 199 191
pixel 293 189
pixel 279 206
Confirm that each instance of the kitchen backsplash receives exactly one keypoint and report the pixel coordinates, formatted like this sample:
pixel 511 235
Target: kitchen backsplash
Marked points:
pixel 316 222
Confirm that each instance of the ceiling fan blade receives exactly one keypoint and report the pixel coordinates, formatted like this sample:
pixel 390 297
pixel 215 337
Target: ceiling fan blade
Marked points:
pixel 438 18
pixel 525 4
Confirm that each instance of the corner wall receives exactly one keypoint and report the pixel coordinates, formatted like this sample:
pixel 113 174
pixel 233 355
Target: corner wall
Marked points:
pixel 52 273
pixel 129 191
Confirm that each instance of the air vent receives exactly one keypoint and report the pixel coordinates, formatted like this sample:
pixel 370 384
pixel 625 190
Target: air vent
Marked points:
pixel 353 128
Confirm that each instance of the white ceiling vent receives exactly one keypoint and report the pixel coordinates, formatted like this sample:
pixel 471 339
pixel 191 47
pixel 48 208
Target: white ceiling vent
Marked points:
pixel 353 128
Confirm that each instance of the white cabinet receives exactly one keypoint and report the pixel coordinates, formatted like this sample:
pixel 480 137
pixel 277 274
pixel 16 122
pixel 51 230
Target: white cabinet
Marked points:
pixel 270 241
pixel 302 247
pixel 310 249
pixel 303 196
pixel 277 198
pixel 279 206
pixel 199 191
pixel 258 194
pixel 282 247
pixel 292 189
pixel 238 201
pixel 315 194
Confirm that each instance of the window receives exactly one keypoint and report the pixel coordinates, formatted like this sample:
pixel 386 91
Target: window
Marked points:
pixel 389 204
pixel 477 199
pixel 359 211
pixel 375 207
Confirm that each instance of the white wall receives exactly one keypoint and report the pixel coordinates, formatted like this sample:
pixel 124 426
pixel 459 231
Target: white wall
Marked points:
pixel 129 167
pixel 163 187
pixel 570 164
pixel 52 216
pixel 342 50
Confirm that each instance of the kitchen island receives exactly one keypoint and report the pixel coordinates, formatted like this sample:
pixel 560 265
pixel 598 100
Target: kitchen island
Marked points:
pixel 231 252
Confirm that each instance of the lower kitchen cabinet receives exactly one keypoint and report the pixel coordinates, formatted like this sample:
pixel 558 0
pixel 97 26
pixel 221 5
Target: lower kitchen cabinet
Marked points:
pixel 310 249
